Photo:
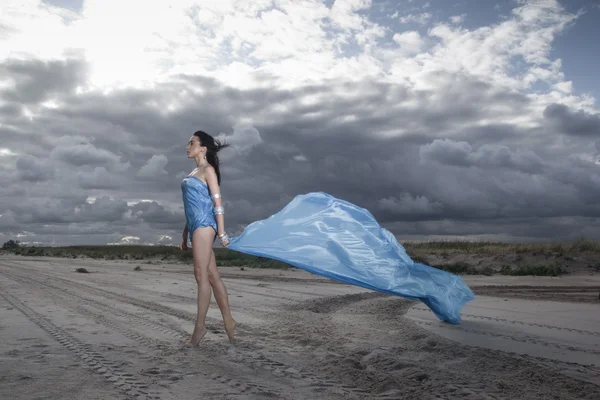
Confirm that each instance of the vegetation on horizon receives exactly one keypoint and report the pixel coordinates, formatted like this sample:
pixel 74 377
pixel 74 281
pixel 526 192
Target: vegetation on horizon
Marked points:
pixel 226 257
pixel 480 247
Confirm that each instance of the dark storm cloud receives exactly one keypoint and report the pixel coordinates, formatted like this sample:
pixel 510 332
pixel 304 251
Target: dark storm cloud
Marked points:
pixel 35 81
pixel 571 122
pixel 32 169
pixel 102 209
pixel 43 210
pixel 421 161
pixel 487 156
pixel 154 167
pixel 505 229
pixel 153 212
pixel 83 154
pixel 8 222
pixel 99 178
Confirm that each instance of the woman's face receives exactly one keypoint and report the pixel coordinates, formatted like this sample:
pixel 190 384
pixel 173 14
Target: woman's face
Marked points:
pixel 193 147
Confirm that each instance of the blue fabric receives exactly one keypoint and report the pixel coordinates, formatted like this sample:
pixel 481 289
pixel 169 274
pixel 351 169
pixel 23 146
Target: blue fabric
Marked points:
pixel 336 239
pixel 197 204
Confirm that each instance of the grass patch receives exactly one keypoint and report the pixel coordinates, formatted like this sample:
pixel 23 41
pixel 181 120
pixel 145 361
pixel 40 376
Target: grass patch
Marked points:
pixel 481 247
pixel 533 270
pixel 418 251
pixel 225 257
pixel 463 268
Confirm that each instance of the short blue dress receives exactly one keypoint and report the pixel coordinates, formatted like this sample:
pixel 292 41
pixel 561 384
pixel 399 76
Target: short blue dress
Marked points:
pixel 197 204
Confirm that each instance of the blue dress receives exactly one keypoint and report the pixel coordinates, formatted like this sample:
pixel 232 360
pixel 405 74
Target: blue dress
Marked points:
pixel 339 240
pixel 197 204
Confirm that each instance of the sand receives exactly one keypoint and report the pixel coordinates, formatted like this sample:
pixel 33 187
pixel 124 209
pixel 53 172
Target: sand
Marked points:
pixel 116 333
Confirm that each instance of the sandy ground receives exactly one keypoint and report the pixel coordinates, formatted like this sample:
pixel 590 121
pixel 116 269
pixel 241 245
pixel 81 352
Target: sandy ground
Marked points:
pixel 116 333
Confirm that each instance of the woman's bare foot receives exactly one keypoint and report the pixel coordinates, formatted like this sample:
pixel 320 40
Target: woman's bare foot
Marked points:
pixel 230 328
pixel 197 336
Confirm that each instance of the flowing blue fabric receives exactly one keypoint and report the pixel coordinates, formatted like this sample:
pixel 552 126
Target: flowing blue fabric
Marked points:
pixel 339 240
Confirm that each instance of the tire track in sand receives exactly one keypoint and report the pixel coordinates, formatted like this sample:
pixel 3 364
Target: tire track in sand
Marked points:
pixel 510 321
pixel 516 339
pixel 122 381
pixel 247 354
pixel 219 374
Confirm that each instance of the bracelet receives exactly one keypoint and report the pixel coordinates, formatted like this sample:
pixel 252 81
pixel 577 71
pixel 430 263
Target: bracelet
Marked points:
pixel 219 210
pixel 223 237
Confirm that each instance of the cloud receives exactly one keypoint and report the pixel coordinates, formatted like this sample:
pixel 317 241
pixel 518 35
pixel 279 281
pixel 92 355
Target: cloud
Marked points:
pixel 489 156
pixel 491 50
pixel 344 13
pixel 437 131
pixel 32 169
pixel 408 207
pixel 154 213
pixel 154 167
pixel 5 152
pixel 410 42
pixel 79 154
pixel 457 19
pixel 580 122
pixel 35 80
pixel 421 18
pixel 244 138
pixel 99 178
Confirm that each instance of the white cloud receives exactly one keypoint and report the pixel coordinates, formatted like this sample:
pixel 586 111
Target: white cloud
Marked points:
pixel 244 137
pixel 154 167
pixel 295 42
pixel 5 152
pixel 409 42
pixel 422 18
pixel 344 13
pixel 457 19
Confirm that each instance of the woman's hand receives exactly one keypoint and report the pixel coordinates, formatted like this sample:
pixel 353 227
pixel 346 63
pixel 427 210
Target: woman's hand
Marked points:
pixel 224 239
pixel 184 239
pixel 183 245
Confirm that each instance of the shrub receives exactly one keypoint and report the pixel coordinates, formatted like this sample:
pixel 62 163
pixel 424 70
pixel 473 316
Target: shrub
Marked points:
pixel 11 245
pixel 487 271
pixel 533 270
pixel 505 270
pixel 460 268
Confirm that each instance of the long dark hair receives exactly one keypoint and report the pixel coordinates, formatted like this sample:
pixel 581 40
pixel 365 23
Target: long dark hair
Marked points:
pixel 213 146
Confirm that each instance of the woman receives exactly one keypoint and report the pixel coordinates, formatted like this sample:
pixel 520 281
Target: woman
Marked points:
pixel 204 219
pixel 316 232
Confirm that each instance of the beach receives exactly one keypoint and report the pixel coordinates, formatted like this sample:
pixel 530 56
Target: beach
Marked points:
pixel 121 333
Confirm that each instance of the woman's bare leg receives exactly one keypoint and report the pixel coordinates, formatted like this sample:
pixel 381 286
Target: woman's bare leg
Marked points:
pixel 221 296
pixel 202 239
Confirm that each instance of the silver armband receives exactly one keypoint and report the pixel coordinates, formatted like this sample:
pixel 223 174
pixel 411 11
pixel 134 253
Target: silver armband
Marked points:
pixel 219 210
pixel 223 237
pixel 216 196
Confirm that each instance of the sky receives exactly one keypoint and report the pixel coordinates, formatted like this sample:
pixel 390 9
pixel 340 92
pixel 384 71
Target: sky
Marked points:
pixel 445 119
